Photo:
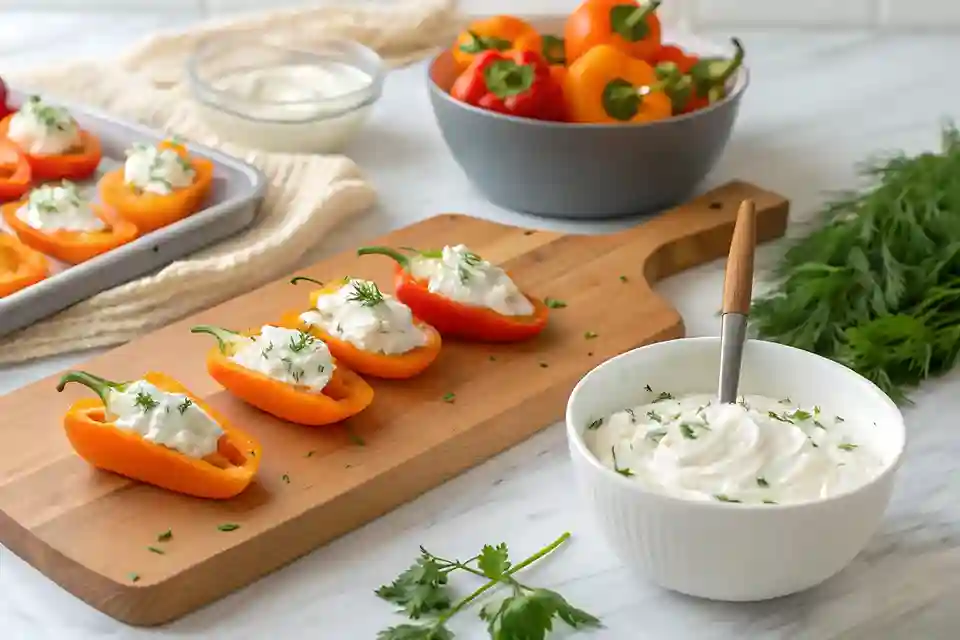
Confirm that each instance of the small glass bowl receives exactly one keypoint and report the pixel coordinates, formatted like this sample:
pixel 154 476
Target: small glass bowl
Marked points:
pixel 265 96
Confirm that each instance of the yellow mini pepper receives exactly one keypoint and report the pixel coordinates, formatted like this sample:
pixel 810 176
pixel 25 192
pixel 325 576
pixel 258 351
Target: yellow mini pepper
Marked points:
pixel 606 85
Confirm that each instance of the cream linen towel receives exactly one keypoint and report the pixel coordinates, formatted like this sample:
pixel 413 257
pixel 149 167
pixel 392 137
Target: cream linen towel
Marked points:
pixel 307 194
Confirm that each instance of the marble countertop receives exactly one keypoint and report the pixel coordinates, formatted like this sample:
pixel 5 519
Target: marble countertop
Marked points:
pixel 819 103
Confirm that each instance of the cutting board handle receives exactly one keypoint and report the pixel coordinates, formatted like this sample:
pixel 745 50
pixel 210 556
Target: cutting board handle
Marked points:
pixel 702 228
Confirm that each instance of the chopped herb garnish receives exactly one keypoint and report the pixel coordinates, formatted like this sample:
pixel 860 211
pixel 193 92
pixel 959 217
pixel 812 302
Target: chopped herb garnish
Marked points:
pixel 145 401
pixel 367 293
pixel 493 358
pixel 838 419
pixel 623 278
pixel 786 401
pixel 269 348
pixel 723 498
pixel 801 415
pixel 165 536
pixel 228 526
pixel 285 478
pixel 816 410
pixel 743 402
pixel 301 342
pixel 133 577
pixel 647 387
pixel 632 415
pixel 847 446
pixel 544 365
pixel 663 395
pixel 310 454
pixel 156 550
pixel 687 431
pixel 626 473
pixel 553 303
pixel 593 426
pixel 818 424
pixel 778 417
pixel 762 482
pixel 653 415
pixel 769 502
pixel 449 397
pixel 589 335
pixel 183 406
pixel 355 437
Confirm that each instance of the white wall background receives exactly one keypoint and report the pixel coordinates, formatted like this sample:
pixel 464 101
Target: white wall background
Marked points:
pixel 893 14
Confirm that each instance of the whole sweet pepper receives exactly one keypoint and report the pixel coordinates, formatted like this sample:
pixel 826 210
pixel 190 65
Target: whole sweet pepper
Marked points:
pixel 516 83
pixel 453 318
pixel 625 25
pixel 706 81
pixel 345 395
pixel 498 33
pixel 90 430
pixel 608 86
pixel 377 365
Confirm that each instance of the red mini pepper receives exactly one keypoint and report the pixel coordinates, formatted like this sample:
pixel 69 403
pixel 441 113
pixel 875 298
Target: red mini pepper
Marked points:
pixel 456 319
pixel 516 83
pixel 671 53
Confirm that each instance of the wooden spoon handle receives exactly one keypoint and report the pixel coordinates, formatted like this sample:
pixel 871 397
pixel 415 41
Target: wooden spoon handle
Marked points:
pixel 738 280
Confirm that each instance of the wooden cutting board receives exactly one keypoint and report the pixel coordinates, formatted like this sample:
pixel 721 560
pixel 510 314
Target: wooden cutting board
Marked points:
pixel 89 531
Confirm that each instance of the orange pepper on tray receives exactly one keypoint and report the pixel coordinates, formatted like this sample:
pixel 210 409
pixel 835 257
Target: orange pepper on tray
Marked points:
pixel 96 438
pixel 608 86
pixel 457 319
pixel 379 365
pixel 345 394
pixel 15 172
pixel 499 33
pixel 626 25
pixel 150 211
pixel 73 247
pixel 20 266
pixel 74 165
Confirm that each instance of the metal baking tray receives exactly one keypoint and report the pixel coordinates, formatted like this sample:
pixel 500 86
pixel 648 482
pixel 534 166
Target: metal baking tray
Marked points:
pixel 237 190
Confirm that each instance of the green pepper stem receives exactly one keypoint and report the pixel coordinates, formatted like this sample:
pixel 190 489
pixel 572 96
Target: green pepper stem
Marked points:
pixel 641 13
pixel 735 62
pixel 306 279
pixel 223 336
pixel 390 252
pixel 100 386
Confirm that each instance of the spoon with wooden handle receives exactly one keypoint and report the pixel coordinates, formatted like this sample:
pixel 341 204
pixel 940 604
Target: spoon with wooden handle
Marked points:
pixel 737 292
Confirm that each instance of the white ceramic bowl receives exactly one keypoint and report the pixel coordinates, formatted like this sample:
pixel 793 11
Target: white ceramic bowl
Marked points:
pixel 727 551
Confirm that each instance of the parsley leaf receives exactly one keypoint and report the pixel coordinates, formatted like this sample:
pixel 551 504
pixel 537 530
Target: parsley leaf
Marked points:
pixel 531 615
pixel 419 590
pixel 494 561
pixel 415 632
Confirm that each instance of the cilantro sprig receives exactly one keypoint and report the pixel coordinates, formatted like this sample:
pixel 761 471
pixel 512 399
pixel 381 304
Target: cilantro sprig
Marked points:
pixel 527 612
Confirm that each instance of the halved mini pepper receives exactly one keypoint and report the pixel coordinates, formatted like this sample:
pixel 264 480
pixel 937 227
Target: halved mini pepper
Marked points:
pixel 151 211
pixel 516 83
pixel 456 319
pixel 607 86
pixel 75 165
pixel 15 172
pixel 625 25
pixel 73 247
pixel 345 395
pixel 93 435
pixel 20 266
pixel 498 33
pixel 397 366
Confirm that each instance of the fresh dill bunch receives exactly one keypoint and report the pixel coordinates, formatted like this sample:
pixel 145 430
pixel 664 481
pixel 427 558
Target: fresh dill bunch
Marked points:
pixel 877 286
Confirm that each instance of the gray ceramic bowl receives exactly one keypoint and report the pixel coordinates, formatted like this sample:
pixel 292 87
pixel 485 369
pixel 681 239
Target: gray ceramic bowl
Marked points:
pixel 565 170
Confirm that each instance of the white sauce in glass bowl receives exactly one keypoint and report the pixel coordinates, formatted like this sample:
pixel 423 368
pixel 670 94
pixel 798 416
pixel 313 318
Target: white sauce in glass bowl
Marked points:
pixel 758 451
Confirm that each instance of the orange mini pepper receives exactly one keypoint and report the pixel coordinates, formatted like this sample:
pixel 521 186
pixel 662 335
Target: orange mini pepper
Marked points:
pixel 20 266
pixel 608 86
pixel 378 365
pixel 78 164
pixel 151 211
pixel 15 172
pixel 73 247
pixel 345 395
pixel 456 319
pixel 90 430
pixel 498 33
pixel 626 25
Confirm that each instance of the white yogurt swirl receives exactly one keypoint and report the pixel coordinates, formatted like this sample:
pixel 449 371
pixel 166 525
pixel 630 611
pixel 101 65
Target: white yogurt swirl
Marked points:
pixel 287 355
pixel 760 450
pixel 359 313
pixel 59 207
pixel 42 129
pixel 155 170
pixel 461 275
